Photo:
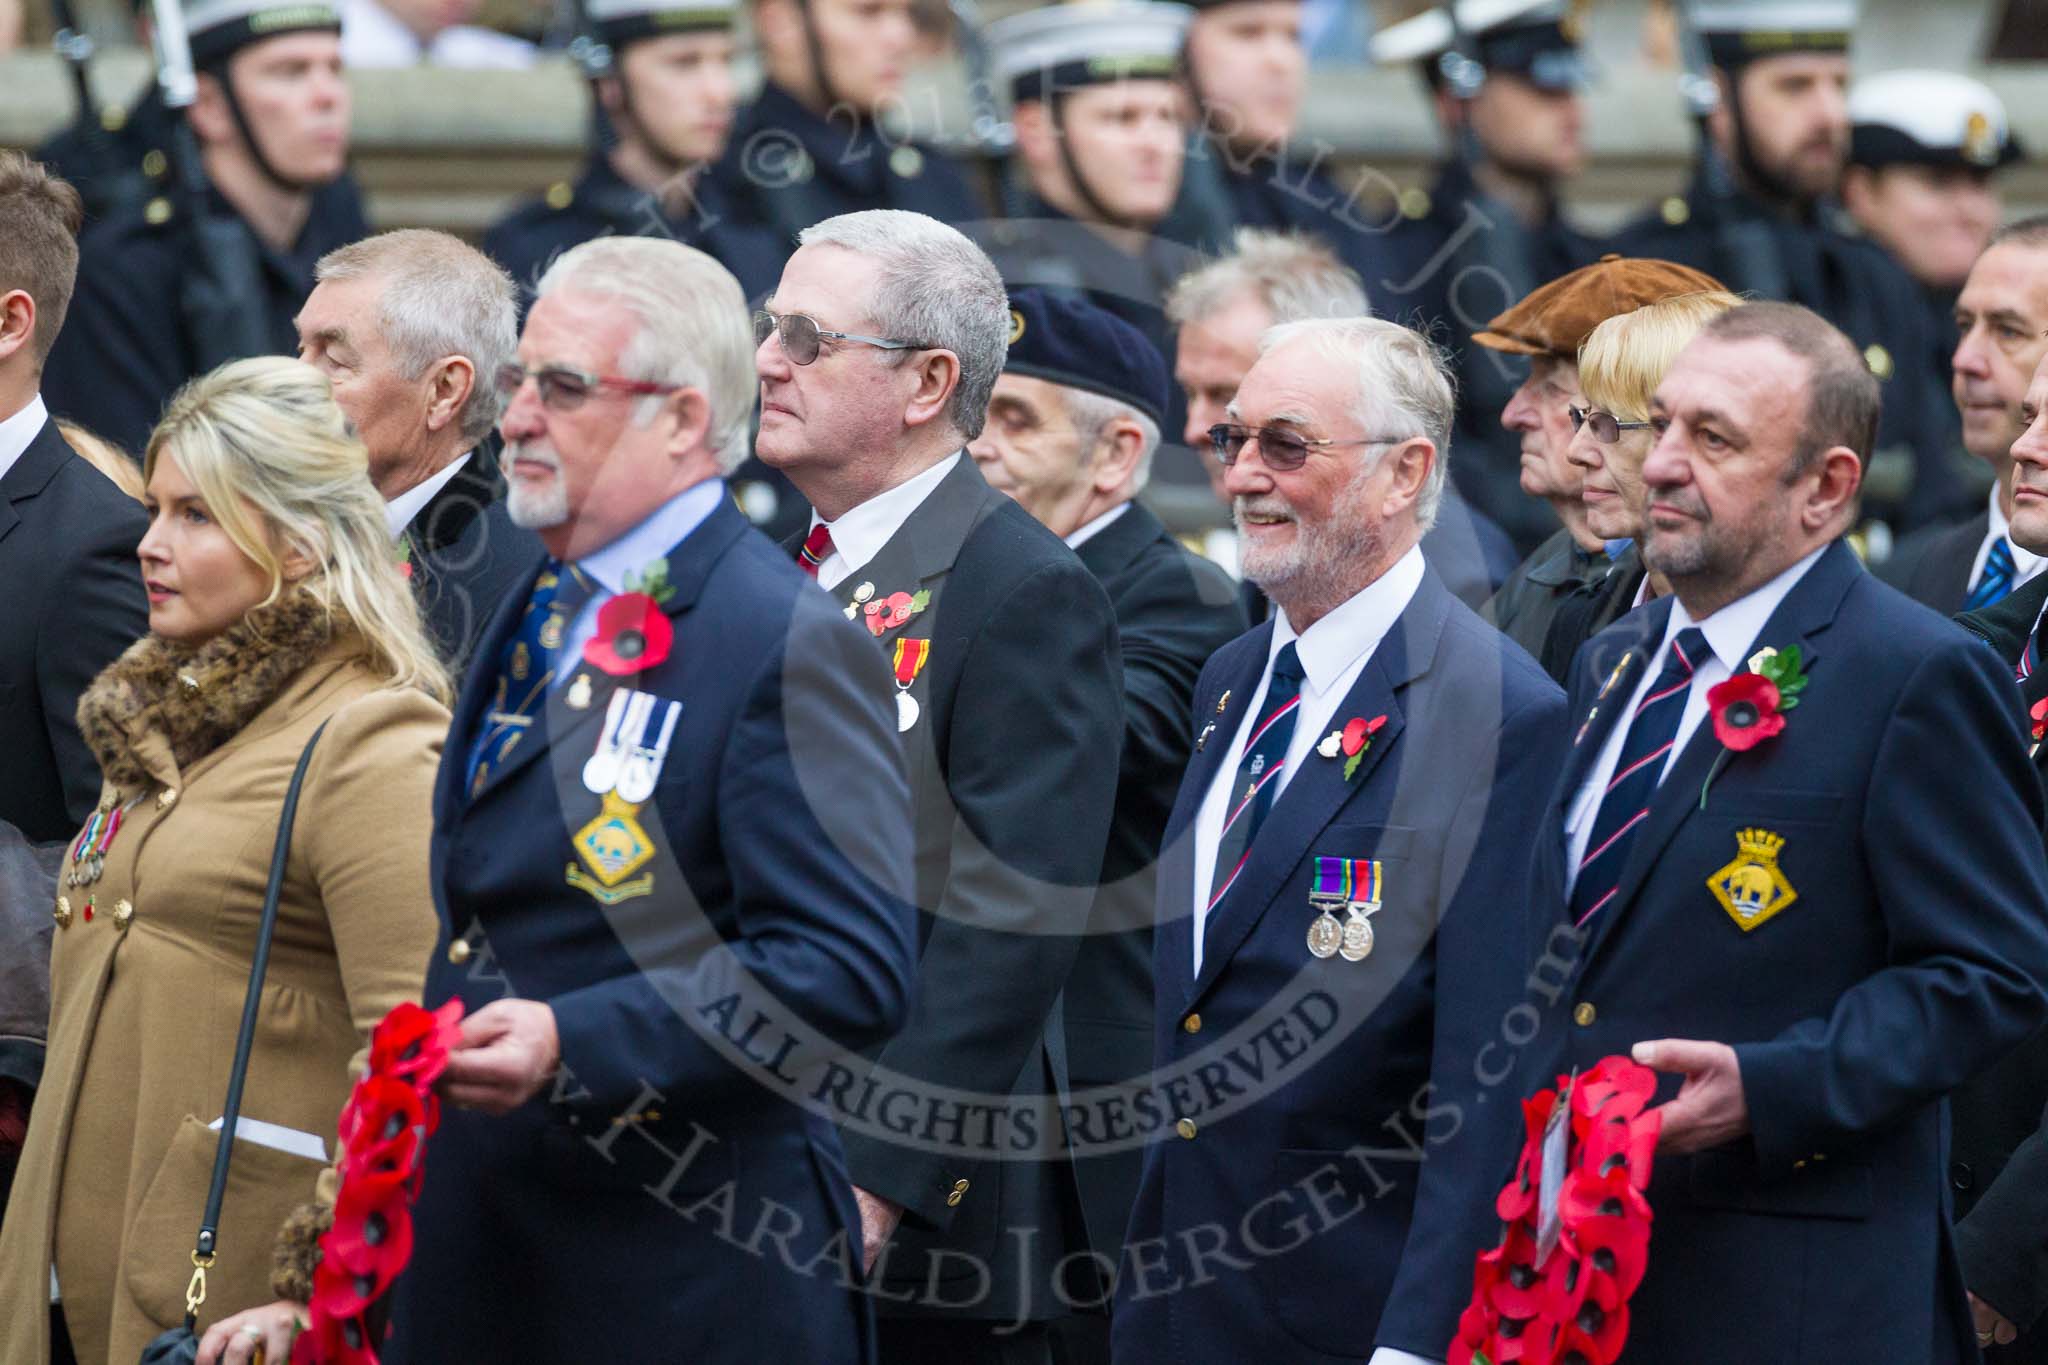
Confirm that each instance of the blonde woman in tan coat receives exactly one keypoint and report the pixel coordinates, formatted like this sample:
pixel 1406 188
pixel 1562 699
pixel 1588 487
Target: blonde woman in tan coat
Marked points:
pixel 275 605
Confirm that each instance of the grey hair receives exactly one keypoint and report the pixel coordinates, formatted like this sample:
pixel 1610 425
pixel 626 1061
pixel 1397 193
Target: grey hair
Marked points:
pixel 934 287
pixel 1091 414
pixel 694 328
pixel 1404 389
pixel 1295 277
pixel 442 297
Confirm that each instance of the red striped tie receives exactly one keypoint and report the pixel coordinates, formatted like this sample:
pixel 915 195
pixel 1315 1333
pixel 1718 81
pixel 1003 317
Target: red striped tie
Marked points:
pixel 816 549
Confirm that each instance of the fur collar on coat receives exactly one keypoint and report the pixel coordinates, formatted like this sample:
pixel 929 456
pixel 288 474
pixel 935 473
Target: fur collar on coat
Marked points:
pixel 197 698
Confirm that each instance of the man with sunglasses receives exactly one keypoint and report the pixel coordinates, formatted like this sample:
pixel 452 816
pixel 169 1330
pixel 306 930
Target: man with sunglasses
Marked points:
pixel 671 851
pixel 1548 327
pixel 877 354
pixel 1347 861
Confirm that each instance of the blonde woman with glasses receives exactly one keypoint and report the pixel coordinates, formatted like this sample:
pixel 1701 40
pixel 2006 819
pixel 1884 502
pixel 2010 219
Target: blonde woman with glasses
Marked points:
pixel 274 608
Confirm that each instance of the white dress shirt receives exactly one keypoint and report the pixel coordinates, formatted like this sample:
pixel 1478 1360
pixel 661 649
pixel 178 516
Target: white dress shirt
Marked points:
pixel 1333 652
pixel 631 553
pixel 17 431
pixel 371 36
pixel 2025 563
pixel 1731 633
pixel 861 532
pixel 399 512
pixel 1086 533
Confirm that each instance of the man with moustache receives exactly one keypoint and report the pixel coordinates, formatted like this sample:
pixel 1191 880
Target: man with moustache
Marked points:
pixel 1490 229
pixel 1762 214
pixel 1818 921
pixel 411 328
pixel 667 103
pixel 672 802
pixel 271 122
pixel 1221 309
pixel 877 353
pixel 2001 317
pixel 1073 425
pixel 1353 831
pixel 1998 1167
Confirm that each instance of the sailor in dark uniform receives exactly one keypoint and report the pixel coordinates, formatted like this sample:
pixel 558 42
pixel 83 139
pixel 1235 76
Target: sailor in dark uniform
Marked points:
pixel 668 102
pixel 814 143
pixel 169 288
pixel 1761 214
pixel 1489 231
pixel 1925 148
pixel 1247 66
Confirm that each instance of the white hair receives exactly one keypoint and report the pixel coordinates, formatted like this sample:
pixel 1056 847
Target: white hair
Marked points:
pixel 1403 390
pixel 1295 277
pixel 933 287
pixel 1091 414
pixel 694 328
pixel 441 297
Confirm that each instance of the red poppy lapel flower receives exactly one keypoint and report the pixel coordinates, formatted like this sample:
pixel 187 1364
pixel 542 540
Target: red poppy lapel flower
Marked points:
pixel 1750 707
pixel 1352 741
pixel 884 614
pixel 633 634
pixel 2039 715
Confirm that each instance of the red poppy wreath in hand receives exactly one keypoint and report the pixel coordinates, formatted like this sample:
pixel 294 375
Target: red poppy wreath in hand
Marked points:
pixel 384 1129
pixel 1571 1307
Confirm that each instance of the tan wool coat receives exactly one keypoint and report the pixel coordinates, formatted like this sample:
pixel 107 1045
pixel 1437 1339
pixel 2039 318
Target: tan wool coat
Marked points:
pixel 150 964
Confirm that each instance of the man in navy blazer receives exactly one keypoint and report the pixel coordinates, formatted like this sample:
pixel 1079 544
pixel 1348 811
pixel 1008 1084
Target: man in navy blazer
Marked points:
pixel 1822 929
pixel 671 858
pixel 1340 896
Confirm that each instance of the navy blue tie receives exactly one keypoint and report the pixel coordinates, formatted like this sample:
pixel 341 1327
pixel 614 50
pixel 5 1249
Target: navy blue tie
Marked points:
pixel 526 666
pixel 1996 579
pixel 1253 789
pixel 1626 802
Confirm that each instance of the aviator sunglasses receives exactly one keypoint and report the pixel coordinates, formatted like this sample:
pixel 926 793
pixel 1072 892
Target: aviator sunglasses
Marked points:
pixel 1281 450
pixel 801 336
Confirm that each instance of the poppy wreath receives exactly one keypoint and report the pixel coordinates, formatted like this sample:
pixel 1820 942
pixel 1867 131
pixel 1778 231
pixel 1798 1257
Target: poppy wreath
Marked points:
pixel 1571 1307
pixel 384 1128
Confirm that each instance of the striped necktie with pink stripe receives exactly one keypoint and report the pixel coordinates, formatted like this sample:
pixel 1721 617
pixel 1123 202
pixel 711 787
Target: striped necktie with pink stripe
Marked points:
pixel 1257 782
pixel 1626 802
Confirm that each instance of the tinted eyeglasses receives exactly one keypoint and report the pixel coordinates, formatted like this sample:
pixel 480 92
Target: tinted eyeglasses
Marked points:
pixel 1281 450
pixel 1607 428
pixel 801 336
pixel 564 389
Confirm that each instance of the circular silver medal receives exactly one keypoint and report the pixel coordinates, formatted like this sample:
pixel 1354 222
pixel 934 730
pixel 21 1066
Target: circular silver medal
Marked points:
pixel 1324 935
pixel 636 779
pixel 601 772
pixel 1357 945
pixel 906 711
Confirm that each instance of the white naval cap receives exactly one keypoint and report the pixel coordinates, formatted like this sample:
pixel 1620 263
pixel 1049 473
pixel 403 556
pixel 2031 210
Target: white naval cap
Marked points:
pixel 218 28
pixel 1535 39
pixel 1090 42
pixel 619 22
pixel 1741 31
pixel 1928 118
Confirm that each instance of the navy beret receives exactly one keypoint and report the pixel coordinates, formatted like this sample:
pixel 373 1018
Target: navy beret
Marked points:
pixel 1067 340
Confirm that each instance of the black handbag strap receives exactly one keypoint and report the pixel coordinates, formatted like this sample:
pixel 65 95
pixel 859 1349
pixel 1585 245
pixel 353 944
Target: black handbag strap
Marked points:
pixel 245 1040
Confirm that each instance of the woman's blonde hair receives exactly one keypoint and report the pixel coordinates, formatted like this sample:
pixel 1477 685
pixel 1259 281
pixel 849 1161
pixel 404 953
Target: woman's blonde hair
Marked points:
pixel 1623 360
pixel 103 455
pixel 267 448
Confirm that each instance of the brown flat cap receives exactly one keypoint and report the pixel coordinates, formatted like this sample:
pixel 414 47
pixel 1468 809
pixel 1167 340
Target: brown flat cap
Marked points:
pixel 1557 318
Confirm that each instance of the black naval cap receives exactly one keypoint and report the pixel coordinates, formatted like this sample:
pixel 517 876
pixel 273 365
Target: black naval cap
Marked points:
pixel 1537 40
pixel 1929 118
pixel 217 29
pixel 1058 48
pixel 1737 32
pixel 619 22
pixel 1067 340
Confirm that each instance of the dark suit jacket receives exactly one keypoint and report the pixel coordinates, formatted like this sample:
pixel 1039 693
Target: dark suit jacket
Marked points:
pixel 1998 1162
pixel 1173 610
pixel 1316 1179
pixel 467 557
pixel 1912 958
pixel 618 1204
pixel 1013 774
pixel 1932 566
pixel 67 556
